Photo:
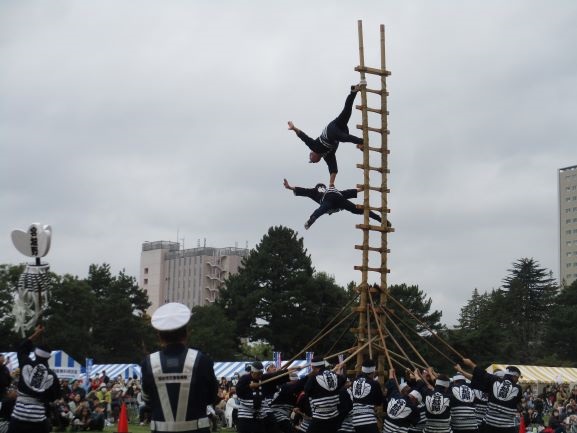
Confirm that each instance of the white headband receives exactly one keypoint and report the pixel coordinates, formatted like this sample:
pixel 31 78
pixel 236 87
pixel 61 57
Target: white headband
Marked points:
pixel 318 363
pixel 417 395
pixel 444 383
pixel 41 353
pixel 457 377
pixel 512 373
pixel 255 370
pixel 368 369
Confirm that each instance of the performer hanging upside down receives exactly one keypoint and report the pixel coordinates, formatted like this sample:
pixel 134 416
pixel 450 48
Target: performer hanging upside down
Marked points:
pixel 331 200
pixel 337 131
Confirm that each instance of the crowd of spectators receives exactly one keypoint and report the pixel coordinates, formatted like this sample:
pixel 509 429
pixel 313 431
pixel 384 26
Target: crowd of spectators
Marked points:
pixel 553 410
pixel 88 408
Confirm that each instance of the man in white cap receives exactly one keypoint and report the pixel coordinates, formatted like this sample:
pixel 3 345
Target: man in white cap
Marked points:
pixel 178 383
pixel 504 397
pixel 38 385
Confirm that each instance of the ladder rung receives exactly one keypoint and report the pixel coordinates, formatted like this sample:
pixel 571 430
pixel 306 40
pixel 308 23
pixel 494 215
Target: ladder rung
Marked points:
pixel 373 71
pixel 372 110
pixel 368 268
pixel 377 249
pixel 358 309
pixel 378 149
pixel 368 167
pixel 376 209
pixel 378 92
pixel 374 188
pixel 375 228
pixel 379 130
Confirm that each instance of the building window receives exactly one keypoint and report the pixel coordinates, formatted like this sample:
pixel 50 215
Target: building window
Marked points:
pixel 145 271
pixel 567 221
pixel 567 232
pixel 146 281
pixel 568 210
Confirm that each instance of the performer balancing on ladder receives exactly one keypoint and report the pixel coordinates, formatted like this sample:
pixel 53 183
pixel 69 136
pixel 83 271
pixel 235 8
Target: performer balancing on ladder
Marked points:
pixel 331 200
pixel 337 131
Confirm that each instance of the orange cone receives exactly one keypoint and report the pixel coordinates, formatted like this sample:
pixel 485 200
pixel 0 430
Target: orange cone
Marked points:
pixel 122 420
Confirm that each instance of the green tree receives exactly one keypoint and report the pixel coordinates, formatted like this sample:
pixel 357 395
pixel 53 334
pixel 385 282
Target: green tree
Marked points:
pixel 409 329
pixel 277 297
pixel 483 328
pixel 530 293
pixel 8 284
pixel 562 326
pixel 120 330
pixel 70 316
pixel 213 332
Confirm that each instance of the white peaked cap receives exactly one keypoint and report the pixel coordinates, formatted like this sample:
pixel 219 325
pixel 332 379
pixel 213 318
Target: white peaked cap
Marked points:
pixel 171 316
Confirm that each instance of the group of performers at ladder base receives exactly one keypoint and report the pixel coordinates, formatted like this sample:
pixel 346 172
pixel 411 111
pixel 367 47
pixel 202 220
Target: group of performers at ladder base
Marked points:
pixel 179 387
pixel 326 402
pixel 325 147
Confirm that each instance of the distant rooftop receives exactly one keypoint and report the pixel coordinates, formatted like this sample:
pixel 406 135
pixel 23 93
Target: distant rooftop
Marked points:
pixel 174 250
pixel 573 167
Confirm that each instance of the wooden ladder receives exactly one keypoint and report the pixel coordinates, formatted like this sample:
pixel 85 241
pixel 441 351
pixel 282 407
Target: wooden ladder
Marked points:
pixel 372 297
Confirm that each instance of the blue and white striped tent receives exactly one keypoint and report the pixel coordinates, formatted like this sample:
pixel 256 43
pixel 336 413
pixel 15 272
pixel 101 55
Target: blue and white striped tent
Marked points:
pixel 127 371
pixel 62 364
pixel 227 369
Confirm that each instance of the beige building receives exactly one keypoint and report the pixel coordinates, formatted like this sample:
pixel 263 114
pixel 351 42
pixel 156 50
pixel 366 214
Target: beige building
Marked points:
pixel 193 276
pixel 568 224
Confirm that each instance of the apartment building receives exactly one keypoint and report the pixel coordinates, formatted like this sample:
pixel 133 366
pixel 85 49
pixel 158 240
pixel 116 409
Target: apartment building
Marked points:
pixel 191 276
pixel 568 224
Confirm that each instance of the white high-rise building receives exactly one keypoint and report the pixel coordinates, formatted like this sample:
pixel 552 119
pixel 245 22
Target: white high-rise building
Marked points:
pixel 193 276
pixel 568 224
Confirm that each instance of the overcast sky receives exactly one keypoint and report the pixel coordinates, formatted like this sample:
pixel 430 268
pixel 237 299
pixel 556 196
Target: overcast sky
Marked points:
pixel 129 121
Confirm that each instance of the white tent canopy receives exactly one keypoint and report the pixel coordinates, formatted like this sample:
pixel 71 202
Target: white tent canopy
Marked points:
pixel 62 364
pixel 540 374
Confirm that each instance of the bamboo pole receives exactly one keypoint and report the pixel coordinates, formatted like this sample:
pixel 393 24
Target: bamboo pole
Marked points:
pixel 428 329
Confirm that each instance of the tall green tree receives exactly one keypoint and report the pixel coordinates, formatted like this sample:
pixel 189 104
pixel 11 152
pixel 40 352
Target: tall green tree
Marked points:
pixel 277 297
pixel 120 331
pixel 530 291
pixel 71 313
pixel 213 333
pixel 482 333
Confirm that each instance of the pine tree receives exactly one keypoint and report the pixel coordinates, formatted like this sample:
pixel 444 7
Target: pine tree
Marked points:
pixel 277 297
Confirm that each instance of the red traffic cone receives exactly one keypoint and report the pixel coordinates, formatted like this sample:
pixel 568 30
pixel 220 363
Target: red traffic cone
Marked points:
pixel 522 427
pixel 122 420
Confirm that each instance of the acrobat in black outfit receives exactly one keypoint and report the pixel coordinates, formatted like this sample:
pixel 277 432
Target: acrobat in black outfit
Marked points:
pixel 331 200
pixel 326 145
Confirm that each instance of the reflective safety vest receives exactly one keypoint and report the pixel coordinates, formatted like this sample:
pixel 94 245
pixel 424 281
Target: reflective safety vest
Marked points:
pixel 175 422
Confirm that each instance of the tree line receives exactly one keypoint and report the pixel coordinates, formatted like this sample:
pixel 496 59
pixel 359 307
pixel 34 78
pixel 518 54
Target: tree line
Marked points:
pixel 278 302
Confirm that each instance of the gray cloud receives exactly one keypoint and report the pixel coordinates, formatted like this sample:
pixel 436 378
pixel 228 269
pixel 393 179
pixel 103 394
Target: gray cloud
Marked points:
pixel 124 121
